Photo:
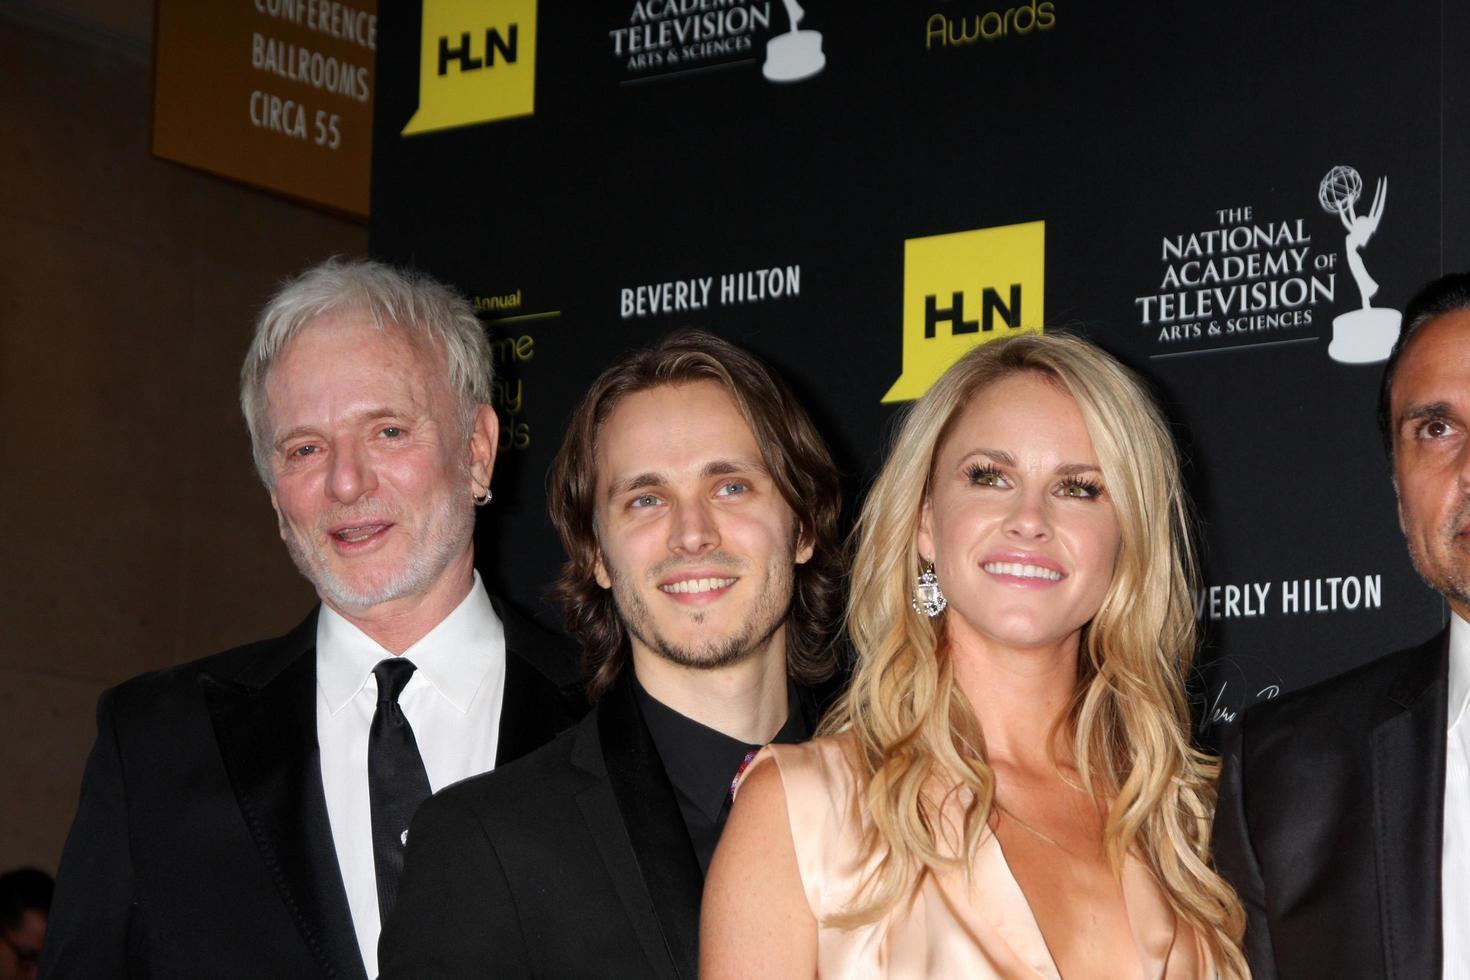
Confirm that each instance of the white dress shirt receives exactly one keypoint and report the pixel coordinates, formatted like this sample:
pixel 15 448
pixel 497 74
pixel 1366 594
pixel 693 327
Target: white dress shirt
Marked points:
pixel 453 702
pixel 1455 914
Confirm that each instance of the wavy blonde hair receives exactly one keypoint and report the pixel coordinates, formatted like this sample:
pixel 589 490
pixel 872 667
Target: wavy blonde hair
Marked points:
pixel 1129 719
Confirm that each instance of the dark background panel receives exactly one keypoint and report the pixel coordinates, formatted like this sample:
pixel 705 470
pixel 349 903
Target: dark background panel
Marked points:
pixel 1120 126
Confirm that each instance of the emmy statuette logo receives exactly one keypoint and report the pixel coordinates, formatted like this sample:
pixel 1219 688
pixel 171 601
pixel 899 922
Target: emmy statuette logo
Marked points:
pixel 1365 335
pixel 795 55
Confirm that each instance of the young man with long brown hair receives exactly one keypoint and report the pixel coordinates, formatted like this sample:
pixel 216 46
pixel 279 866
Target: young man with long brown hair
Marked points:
pixel 698 507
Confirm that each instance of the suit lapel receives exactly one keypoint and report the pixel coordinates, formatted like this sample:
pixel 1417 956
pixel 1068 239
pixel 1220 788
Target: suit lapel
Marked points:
pixel 524 720
pixel 604 820
pixel 536 706
pixel 265 723
pixel 642 802
pixel 1408 807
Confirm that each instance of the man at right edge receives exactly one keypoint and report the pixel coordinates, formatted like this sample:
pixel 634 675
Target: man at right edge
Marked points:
pixel 1344 814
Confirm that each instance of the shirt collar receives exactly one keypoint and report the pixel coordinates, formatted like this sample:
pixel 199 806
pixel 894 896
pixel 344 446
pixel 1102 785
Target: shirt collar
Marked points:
pixel 455 657
pixel 701 761
pixel 1459 668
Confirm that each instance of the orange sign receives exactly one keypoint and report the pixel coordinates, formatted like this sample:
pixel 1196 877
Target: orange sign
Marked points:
pixel 273 93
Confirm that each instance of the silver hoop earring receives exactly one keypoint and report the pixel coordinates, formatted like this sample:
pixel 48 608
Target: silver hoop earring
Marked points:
pixel 928 598
pixel 482 501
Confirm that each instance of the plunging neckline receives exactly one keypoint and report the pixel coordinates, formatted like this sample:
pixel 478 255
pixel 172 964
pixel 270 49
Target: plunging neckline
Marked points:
pixel 955 921
pixel 1149 967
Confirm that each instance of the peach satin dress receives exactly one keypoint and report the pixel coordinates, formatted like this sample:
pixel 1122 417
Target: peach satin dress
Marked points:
pixel 981 929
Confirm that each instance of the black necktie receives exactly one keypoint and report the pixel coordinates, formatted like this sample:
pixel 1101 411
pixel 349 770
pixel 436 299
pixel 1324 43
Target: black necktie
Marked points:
pixel 397 783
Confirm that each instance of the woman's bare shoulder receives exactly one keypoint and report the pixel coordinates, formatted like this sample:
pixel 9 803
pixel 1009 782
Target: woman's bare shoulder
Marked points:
pixel 796 762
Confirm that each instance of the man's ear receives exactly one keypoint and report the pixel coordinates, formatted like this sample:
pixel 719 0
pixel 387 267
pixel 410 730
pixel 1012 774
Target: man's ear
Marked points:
pixel 805 548
pixel 280 520
pixel 484 440
pixel 599 570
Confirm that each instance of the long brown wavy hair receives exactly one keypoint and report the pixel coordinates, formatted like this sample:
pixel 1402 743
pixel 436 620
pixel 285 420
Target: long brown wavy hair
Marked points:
pixel 1128 721
pixel 793 452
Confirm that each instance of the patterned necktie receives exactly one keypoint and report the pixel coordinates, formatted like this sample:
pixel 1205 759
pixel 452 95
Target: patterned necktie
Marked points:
pixel 397 782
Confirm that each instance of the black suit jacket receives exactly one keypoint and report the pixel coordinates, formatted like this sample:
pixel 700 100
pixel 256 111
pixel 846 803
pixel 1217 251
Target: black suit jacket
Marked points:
pixel 1330 822
pixel 573 862
pixel 202 848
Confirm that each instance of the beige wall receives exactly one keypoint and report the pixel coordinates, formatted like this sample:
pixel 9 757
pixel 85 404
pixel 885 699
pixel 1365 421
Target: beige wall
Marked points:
pixel 134 532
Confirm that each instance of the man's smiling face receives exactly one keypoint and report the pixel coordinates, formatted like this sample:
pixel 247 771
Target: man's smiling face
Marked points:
pixel 695 540
pixel 370 465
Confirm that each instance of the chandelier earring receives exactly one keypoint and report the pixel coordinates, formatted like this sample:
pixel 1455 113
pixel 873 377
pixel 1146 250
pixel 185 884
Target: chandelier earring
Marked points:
pixel 928 598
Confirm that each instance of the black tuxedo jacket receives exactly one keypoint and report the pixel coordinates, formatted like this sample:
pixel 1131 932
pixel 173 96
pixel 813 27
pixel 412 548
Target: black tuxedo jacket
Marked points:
pixel 201 847
pixel 573 862
pixel 1330 819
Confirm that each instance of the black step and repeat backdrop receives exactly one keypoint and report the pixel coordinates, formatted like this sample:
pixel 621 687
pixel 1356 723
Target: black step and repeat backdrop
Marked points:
pixel 1233 198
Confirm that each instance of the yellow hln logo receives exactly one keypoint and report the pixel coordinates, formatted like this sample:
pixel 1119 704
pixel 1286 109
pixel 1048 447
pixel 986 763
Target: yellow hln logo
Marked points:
pixel 963 289
pixel 477 62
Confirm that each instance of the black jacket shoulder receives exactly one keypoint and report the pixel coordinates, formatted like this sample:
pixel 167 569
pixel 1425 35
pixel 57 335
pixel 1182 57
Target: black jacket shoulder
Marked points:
pixel 517 790
pixel 554 656
pixel 1348 705
pixel 250 665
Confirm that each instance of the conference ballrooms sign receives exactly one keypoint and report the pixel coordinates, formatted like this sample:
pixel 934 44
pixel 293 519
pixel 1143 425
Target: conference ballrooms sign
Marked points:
pixel 273 93
pixel 1234 201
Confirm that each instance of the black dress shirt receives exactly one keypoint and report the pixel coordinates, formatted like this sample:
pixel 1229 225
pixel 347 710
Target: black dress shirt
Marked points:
pixel 701 763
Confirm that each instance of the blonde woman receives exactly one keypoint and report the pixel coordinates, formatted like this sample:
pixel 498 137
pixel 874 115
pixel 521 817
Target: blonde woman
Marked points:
pixel 1008 788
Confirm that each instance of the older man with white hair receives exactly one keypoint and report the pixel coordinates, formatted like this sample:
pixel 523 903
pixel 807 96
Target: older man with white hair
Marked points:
pixel 245 815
